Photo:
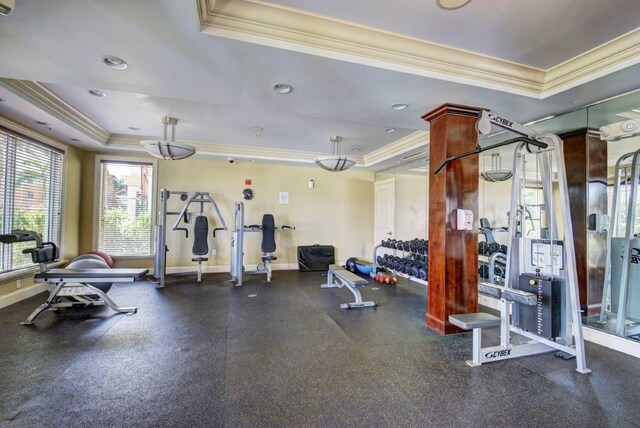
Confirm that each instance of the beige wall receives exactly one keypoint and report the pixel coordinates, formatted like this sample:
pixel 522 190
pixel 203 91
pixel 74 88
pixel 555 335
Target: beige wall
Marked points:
pixel 70 218
pixel 338 211
pixel 86 202
pixel 411 214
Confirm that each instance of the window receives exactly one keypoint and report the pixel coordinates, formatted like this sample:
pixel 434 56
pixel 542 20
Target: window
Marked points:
pixel 534 204
pixel 31 194
pixel 125 208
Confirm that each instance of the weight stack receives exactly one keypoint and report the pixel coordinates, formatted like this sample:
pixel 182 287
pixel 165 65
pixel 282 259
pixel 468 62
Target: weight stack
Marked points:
pixel 542 319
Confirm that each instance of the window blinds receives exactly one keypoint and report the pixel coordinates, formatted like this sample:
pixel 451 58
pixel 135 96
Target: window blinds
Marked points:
pixel 125 204
pixel 31 188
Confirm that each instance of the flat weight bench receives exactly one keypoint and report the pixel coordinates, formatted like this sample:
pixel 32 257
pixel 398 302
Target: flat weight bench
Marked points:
pixel 72 287
pixel 344 278
pixel 475 322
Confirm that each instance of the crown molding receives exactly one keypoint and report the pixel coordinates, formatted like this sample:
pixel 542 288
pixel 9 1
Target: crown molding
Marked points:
pixel 40 97
pixel 615 55
pixel 412 141
pixel 282 27
pixel 31 133
pixel 129 142
pixel 419 139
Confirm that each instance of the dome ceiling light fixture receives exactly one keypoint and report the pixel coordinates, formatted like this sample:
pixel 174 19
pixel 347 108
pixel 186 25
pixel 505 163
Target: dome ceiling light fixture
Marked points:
pixel 335 162
pixel 97 93
pixel 168 149
pixel 496 174
pixel 114 62
pixel 452 4
pixel 282 88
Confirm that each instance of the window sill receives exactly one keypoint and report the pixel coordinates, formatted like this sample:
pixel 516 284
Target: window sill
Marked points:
pixel 26 272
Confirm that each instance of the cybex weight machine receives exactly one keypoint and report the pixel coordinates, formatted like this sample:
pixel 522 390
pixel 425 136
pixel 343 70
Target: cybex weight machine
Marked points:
pixel 621 294
pixel 200 247
pixel 268 246
pixel 539 303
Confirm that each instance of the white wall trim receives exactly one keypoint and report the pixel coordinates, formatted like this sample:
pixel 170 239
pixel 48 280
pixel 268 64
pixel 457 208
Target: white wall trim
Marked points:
pixel 130 142
pixel 416 140
pixel 41 97
pixel 300 31
pixel 226 268
pixel 626 346
pixel 282 27
pixel 22 294
pixel 28 132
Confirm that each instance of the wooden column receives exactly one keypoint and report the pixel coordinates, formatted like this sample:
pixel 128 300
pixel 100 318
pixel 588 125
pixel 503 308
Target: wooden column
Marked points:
pixel 586 164
pixel 453 254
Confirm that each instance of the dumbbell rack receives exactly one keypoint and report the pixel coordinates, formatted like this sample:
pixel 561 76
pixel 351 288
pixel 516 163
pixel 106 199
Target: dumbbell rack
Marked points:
pixel 394 252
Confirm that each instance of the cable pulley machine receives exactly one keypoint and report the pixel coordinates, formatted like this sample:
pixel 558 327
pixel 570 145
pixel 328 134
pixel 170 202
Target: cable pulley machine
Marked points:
pixel 539 302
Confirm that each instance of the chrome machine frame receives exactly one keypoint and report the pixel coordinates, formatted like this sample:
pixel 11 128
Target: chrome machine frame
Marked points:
pixel 625 242
pixel 570 342
pixel 160 256
pixel 236 268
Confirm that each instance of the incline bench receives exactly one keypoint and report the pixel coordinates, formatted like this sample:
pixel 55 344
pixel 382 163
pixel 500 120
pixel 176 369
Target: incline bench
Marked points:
pixel 344 278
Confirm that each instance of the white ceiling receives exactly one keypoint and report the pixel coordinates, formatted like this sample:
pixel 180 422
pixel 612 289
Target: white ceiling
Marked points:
pixel 219 87
pixel 539 33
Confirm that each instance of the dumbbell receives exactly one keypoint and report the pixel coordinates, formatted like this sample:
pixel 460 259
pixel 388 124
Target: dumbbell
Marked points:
pixel 415 271
pixel 483 271
pixel 423 273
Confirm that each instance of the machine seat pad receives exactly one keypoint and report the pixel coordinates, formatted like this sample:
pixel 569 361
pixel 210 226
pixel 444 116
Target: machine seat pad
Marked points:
pixel 97 273
pixel 200 232
pixel 351 278
pixel 199 259
pixel 268 234
pixel 477 320
pixel 270 258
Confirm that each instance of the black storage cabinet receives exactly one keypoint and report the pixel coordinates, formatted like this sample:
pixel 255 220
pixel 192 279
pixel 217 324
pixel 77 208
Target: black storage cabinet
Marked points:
pixel 313 258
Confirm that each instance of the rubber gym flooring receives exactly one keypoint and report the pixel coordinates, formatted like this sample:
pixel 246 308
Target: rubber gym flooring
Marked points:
pixel 209 355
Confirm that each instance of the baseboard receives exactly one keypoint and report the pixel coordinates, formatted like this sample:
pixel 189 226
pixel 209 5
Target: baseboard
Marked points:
pixel 611 341
pixel 218 269
pixel 22 294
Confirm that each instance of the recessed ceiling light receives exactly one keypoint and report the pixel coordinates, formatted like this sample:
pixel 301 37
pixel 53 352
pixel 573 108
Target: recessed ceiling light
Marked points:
pixel 282 88
pixel 354 150
pixel 114 62
pixel 41 123
pixel 75 139
pixel 97 93
pixel 256 129
pixel 399 106
pixel 133 128
pixel 390 130
pixel 452 4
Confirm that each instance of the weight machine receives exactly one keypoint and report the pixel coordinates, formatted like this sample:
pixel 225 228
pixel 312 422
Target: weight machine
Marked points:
pixel 200 247
pixel 621 294
pixel 539 300
pixel 267 228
